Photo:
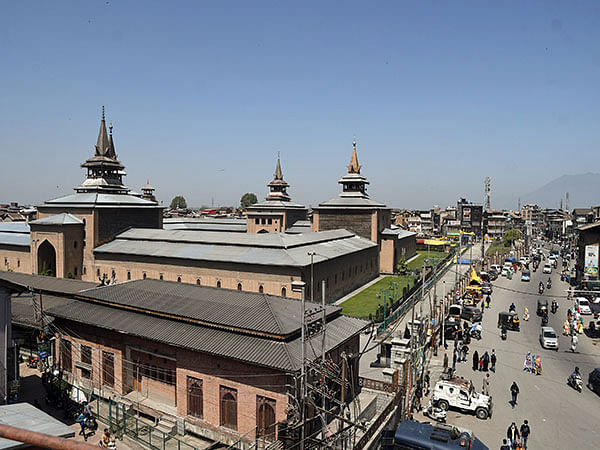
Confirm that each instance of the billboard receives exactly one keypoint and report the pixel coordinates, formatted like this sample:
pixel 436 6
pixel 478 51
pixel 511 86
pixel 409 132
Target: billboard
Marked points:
pixel 591 260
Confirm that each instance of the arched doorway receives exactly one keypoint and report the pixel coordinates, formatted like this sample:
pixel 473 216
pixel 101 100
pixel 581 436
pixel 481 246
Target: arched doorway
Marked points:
pixel 265 418
pixel 46 259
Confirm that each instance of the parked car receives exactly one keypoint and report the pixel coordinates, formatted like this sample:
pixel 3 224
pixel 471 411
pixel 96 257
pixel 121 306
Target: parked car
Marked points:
pixel 584 305
pixel 486 288
pixel 455 311
pixel 548 338
pixel 460 393
pixel 547 268
pixel 594 380
pixel 472 314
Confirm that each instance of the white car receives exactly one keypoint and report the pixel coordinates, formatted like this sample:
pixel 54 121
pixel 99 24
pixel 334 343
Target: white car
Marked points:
pixel 460 393
pixel 547 268
pixel 584 305
pixel 548 338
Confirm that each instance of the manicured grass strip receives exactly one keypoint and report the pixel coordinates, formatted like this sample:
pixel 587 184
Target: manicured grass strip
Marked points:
pixel 366 301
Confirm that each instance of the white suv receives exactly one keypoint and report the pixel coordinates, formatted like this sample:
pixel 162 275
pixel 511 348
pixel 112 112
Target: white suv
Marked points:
pixel 547 268
pixel 460 393
pixel 584 305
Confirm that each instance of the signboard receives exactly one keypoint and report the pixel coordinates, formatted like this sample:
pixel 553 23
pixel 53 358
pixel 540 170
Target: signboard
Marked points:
pixel 467 214
pixel 591 260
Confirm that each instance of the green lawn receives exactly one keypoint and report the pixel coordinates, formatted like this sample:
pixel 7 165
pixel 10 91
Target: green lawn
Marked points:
pixel 366 301
pixel 497 247
pixel 417 263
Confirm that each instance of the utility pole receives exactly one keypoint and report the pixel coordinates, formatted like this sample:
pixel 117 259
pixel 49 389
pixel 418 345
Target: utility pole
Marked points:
pixel 312 276
pixel 301 286
pixel 323 349
pixel 444 315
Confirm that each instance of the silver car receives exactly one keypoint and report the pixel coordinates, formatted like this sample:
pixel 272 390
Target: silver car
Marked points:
pixel 548 338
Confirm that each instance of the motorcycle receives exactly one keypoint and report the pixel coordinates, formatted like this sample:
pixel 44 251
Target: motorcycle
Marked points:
pixel 435 413
pixel 541 289
pixel 575 382
pixel 33 362
pixel 475 334
pixel 545 319
pixel 554 307
pixel 549 284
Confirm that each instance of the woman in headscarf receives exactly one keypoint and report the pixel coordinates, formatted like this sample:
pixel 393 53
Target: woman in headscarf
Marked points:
pixel 475 360
pixel 566 327
pixel 538 365
pixel 527 362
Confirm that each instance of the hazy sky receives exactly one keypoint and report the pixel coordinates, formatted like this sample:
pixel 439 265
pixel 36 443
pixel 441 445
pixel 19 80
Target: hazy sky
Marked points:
pixel 439 94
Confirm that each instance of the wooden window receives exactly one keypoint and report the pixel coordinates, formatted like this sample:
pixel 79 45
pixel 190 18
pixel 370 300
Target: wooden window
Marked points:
pixel 265 418
pixel 154 373
pixel 74 244
pixel 75 271
pixel 257 221
pixel 66 356
pixel 270 221
pixel 228 407
pixel 18 263
pixel 195 397
pixel 86 358
pixel 108 369
pixel 84 270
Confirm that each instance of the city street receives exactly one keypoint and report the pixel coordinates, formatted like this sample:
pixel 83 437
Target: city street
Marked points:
pixel 559 416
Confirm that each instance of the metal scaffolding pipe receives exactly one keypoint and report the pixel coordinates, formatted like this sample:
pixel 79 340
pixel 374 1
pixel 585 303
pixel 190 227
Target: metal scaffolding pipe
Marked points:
pixel 42 440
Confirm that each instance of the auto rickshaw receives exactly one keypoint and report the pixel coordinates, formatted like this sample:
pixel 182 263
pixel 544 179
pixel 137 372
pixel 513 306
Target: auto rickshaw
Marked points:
pixel 542 307
pixel 510 320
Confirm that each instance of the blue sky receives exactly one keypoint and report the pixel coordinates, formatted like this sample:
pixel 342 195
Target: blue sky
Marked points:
pixel 439 95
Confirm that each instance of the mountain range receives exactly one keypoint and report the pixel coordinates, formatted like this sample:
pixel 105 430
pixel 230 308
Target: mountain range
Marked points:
pixel 583 189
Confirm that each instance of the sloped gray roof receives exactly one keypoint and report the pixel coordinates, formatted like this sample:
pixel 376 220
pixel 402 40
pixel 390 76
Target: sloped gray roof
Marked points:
pixel 24 281
pixel 238 225
pixel 59 219
pixel 99 199
pixel 265 248
pixel 399 232
pixel 275 204
pixel 23 308
pixel 18 239
pixel 248 311
pixel 30 418
pixel 347 201
pixel 14 227
pixel 278 354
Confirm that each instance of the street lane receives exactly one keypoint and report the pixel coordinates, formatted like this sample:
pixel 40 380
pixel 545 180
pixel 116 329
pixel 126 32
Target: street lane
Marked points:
pixel 559 416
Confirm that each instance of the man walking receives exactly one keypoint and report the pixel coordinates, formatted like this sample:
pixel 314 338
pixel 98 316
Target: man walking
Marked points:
pixel 486 385
pixel 525 432
pixel 493 361
pixel 514 390
pixel 513 435
pixel 504 445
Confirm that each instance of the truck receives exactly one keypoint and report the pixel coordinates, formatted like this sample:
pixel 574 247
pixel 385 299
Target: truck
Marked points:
pixel 459 393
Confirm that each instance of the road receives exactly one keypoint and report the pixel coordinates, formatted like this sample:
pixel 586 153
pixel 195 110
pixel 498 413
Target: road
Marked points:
pixel 559 416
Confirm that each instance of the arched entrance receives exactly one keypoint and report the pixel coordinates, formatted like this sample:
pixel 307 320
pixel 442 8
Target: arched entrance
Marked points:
pixel 46 259
pixel 265 418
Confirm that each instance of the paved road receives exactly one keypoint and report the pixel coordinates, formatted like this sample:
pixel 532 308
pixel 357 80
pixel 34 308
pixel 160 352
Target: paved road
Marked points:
pixel 559 416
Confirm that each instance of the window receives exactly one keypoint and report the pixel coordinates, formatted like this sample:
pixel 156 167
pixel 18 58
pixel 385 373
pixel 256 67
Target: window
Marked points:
pixel 66 356
pixel 270 221
pixel 261 289
pixel 108 369
pixel 257 221
pixel 263 221
pixel 86 358
pixel 18 263
pixel 228 407
pixel 195 397
pixel 144 275
pixel 265 418
pixel 74 244
pixel 198 281
pixel 160 276
pixel 75 271
pixel 129 275
pixel 179 279
pixel 84 270
pixel 153 373
pixel 98 272
pixel 283 292
pixel 239 286
pixel 219 283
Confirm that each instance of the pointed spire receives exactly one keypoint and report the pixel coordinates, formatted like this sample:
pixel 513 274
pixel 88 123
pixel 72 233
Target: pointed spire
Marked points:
pixel 102 146
pixel 278 172
pixel 111 145
pixel 354 167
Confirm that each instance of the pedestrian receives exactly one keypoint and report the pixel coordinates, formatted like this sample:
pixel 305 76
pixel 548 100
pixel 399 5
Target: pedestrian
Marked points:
pixel 525 432
pixel 486 385
pixel 445 361
pixel 514 390
pixel 527 362
pixel 504 445
pixel 454 358
pixel 475 360
pixel 513 435
pixel 481 363
pixel 538 365
pixel 464 350
pixel 81 421
pixel 87 411
pixel 486 361
pixel 493 361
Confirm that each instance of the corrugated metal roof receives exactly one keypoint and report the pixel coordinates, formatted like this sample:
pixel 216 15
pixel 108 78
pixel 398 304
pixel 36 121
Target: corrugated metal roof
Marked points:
pixel 20 239
pixel 399 232
pixel 229 308
pixel 28 417
pixel 275 204
pixel 59 219
pixel 241 228
pixel 351 202
pixel 281 355
pixel 266 249
pixel 14 227
pixel 24 312
pixel 86 198
pixel 48 284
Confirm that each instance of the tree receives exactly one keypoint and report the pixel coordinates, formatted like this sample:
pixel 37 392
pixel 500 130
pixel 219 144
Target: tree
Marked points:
pixel 248 199
pixel 511 236
pixel 178 202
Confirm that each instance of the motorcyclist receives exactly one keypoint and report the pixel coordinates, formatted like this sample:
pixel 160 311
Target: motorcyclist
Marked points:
pixel 576 373
pixel 549 283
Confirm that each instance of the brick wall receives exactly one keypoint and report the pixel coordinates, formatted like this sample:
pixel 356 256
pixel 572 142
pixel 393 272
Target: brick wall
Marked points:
pixel 359 222
pixel 17 259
